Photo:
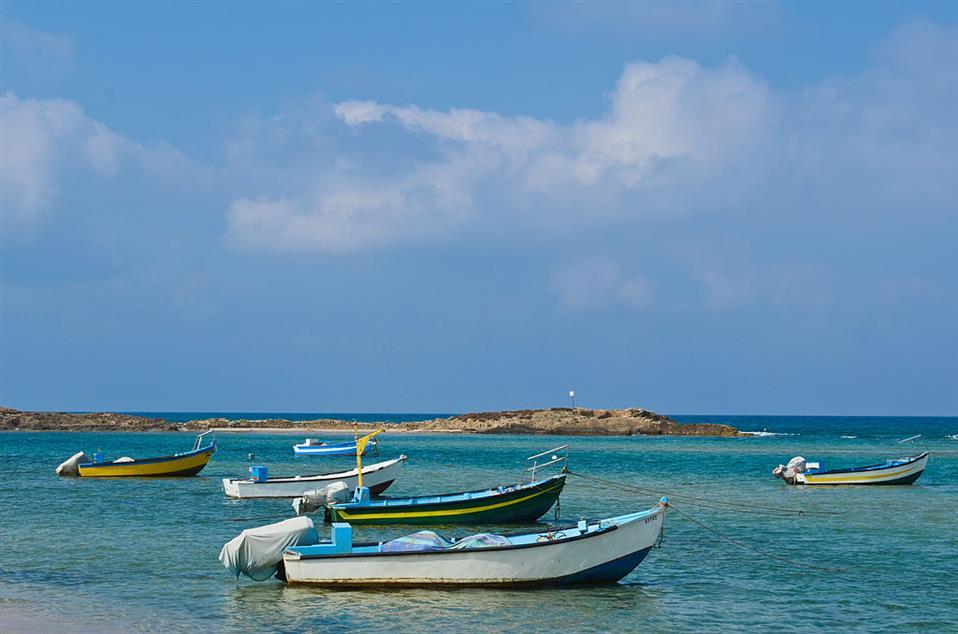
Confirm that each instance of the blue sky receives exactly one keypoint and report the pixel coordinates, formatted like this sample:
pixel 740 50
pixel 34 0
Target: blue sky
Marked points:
pixel 695 208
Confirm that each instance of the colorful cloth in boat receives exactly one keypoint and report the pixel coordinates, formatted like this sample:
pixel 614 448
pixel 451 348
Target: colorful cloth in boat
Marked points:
pixel 482 540
pixel 423 540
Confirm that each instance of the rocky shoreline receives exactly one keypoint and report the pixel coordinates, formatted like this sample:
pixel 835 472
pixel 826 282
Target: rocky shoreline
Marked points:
pixel 555 421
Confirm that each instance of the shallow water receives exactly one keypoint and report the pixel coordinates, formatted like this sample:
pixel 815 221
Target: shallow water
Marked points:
pixel 142 553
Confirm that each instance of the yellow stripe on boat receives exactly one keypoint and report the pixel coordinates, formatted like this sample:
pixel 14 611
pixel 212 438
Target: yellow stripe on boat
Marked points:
pixel 345 516
pixel 854 477
pixel 161 468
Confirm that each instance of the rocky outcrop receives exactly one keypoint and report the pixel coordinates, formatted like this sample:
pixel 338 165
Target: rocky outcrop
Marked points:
pixel 11 419
pixel 579 422
pixel 555 421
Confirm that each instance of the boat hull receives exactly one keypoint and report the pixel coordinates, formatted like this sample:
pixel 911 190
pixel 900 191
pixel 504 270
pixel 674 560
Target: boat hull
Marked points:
pixel 378 477
pixel 900 474
pixel 524 504
pixel 184 465
pixel 603 557
pixel 320 450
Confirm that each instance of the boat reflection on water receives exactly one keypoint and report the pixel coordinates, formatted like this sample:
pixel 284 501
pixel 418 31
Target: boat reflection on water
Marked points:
pixel 307 608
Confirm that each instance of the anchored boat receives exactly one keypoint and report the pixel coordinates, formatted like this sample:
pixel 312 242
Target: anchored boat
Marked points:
pixel 184 464
pixel 314 447
pixel 521 502
pixel 905 470
pixel 376 476
pixel 602 551
pixel 502 505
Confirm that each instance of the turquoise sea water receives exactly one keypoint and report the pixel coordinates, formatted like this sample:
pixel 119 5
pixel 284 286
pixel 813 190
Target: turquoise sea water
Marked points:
pixel 141 554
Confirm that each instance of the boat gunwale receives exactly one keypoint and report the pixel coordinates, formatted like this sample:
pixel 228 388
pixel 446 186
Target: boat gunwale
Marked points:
pixel 331 445
pixel 878 467
pixel 384 503
pixel 140 461
pixel 497 548
pixel 333 475
pixel 649 514
pixel 509 583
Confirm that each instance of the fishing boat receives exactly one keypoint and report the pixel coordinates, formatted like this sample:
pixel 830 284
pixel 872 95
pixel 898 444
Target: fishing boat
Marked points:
pixel 601 551
pixel 377 477
pixel 188 463
pixel 314 447
pixel 904 470
pixel 505 504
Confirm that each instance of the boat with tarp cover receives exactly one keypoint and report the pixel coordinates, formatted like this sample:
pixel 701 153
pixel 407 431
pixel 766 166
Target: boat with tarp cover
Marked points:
pixel 602 551
pixel 904 470
pixel 185 464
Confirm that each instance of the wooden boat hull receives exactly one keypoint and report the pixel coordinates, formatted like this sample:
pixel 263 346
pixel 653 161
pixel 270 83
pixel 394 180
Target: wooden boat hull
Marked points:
pixel 182 465
pixel 523 504
pixel 378 477
pixel 582 558
pixel 906 472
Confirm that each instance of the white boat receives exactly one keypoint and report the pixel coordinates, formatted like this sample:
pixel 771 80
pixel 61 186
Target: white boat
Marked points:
pixel 376 476
pixel 314 447
pixel 596 552
pixel 905 470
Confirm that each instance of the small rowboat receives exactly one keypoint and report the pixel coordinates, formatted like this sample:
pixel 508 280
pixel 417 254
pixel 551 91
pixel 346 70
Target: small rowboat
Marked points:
pixel 502 505
pixel 905 470
pixel 184 464
pixel 313 447
pixel 587 553
pixel 377 477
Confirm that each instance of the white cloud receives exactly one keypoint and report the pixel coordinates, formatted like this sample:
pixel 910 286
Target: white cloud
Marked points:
pixel 664 116
pixel 515 137
pixel 342 215
pixel 676 138
pixel 41 139
pixel 891 131
pixel 595 282
pixel 671 122
pixel 30 43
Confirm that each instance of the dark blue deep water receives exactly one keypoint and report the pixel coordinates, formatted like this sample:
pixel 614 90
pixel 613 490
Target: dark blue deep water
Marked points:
pixel 140 555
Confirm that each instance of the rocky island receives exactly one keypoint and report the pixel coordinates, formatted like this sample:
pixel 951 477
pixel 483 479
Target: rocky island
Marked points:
pixel 555 421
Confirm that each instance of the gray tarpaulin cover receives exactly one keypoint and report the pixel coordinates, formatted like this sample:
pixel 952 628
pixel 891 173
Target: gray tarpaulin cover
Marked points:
pixel 257 552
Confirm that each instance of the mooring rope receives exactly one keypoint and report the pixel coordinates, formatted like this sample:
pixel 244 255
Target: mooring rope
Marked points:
pixel 704 502
pixel 256 519
pixel 732 509
pixel 750 548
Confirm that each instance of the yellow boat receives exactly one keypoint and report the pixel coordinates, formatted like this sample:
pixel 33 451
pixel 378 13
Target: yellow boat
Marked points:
pixel 184 464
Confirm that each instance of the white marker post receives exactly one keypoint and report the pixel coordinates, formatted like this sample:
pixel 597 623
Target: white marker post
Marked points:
pixel 572 396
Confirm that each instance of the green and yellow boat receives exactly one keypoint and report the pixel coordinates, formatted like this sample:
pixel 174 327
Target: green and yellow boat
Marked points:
pixel 502 505
pixel 520 502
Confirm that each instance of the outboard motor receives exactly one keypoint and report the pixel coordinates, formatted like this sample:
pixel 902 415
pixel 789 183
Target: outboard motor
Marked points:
pixel 788 472
pixel 312 501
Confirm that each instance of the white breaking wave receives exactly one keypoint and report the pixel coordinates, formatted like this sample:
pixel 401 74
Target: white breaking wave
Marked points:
pixel 764 433
pixel 849 436
pixel 953 436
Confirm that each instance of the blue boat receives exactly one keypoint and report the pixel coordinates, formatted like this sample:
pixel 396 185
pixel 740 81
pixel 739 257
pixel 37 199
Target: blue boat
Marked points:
pixel 314 447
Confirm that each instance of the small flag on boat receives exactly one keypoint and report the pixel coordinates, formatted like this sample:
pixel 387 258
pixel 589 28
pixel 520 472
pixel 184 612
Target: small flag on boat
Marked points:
pixel 362 442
